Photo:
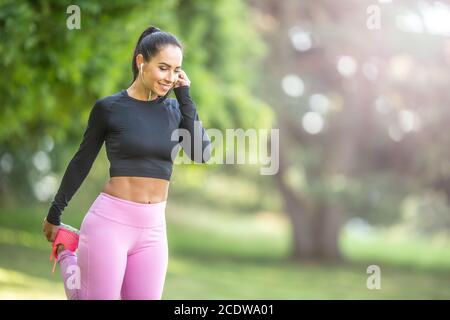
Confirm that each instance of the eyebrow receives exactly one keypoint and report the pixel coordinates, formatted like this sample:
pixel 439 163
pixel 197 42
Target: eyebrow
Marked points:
pixel 167 64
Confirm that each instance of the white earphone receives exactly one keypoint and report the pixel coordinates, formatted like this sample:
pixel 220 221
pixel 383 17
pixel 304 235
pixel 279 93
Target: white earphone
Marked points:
pixel 143 81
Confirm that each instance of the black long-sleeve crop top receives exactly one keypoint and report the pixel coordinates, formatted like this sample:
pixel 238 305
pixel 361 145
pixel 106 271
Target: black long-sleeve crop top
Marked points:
pixel 142 139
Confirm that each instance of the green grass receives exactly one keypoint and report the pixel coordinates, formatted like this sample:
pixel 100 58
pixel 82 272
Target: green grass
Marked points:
pixel 408 252
pixel 225 255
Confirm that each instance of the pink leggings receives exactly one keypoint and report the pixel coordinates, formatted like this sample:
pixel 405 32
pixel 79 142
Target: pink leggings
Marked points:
pixel 122 252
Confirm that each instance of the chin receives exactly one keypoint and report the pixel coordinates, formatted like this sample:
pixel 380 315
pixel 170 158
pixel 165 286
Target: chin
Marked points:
pixel 161 90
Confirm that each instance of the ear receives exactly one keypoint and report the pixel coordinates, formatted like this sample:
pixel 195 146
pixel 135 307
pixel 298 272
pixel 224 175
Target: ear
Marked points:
pixel 139 59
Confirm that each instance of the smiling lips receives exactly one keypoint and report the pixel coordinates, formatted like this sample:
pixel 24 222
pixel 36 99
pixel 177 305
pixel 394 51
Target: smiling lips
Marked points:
pixel 165 87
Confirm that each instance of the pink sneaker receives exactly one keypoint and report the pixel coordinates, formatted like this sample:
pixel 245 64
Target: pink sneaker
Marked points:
pixel 66 235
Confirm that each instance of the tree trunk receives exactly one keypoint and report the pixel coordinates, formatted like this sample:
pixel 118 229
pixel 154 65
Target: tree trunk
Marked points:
pixel 315 225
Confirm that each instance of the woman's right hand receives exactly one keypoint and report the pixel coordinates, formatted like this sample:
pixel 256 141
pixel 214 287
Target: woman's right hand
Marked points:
pixel 49 230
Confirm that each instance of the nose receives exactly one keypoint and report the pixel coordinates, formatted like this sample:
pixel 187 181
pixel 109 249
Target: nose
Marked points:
pixel 172 78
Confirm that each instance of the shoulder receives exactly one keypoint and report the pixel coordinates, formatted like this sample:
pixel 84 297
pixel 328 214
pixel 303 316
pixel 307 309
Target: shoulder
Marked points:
pixel 174 107
pixel 106 102
pixel 173 103
pixel 104 105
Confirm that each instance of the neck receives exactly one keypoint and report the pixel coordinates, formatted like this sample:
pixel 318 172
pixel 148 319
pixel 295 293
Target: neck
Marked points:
pixel 138 91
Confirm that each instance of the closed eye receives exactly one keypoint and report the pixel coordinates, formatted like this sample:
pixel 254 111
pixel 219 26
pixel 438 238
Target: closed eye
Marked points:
pixel 177 71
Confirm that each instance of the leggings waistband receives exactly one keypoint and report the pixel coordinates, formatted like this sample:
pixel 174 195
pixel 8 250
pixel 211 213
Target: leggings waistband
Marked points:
pixel 143 215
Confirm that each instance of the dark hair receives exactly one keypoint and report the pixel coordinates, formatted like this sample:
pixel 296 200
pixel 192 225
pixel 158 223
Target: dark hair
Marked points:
pixel 151 41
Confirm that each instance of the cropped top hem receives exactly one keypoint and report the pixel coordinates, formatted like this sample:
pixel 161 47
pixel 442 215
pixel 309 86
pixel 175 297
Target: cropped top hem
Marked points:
pixel 141 172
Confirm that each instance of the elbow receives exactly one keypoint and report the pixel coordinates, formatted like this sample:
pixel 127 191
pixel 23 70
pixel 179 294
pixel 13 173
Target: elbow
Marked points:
pixel 197 147
pixel 206 149
pixel 202 156
pixel 206 154
pixel 81 164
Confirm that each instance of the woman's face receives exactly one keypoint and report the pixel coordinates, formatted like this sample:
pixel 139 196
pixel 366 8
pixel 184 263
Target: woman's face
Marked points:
pixel 161 73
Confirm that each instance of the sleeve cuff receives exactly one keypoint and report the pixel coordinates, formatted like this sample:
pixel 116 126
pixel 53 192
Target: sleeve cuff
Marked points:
pixel 54 217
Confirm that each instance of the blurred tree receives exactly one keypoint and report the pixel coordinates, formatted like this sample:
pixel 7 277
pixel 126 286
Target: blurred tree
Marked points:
pixel 362 112
pixel 51 75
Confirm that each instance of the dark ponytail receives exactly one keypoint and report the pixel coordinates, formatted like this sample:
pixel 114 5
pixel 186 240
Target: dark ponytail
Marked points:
pixel 151 41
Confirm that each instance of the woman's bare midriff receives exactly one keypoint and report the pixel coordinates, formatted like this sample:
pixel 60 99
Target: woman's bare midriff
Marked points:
pixel 138 189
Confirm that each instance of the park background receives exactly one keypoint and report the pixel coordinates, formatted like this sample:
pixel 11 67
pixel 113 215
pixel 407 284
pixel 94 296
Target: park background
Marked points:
pixel 357 88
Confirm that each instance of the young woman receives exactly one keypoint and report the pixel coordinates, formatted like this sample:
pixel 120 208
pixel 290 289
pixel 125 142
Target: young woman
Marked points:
pixel 122 244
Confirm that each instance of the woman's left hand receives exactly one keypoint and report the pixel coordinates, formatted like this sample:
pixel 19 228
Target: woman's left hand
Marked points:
pixel 183 80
